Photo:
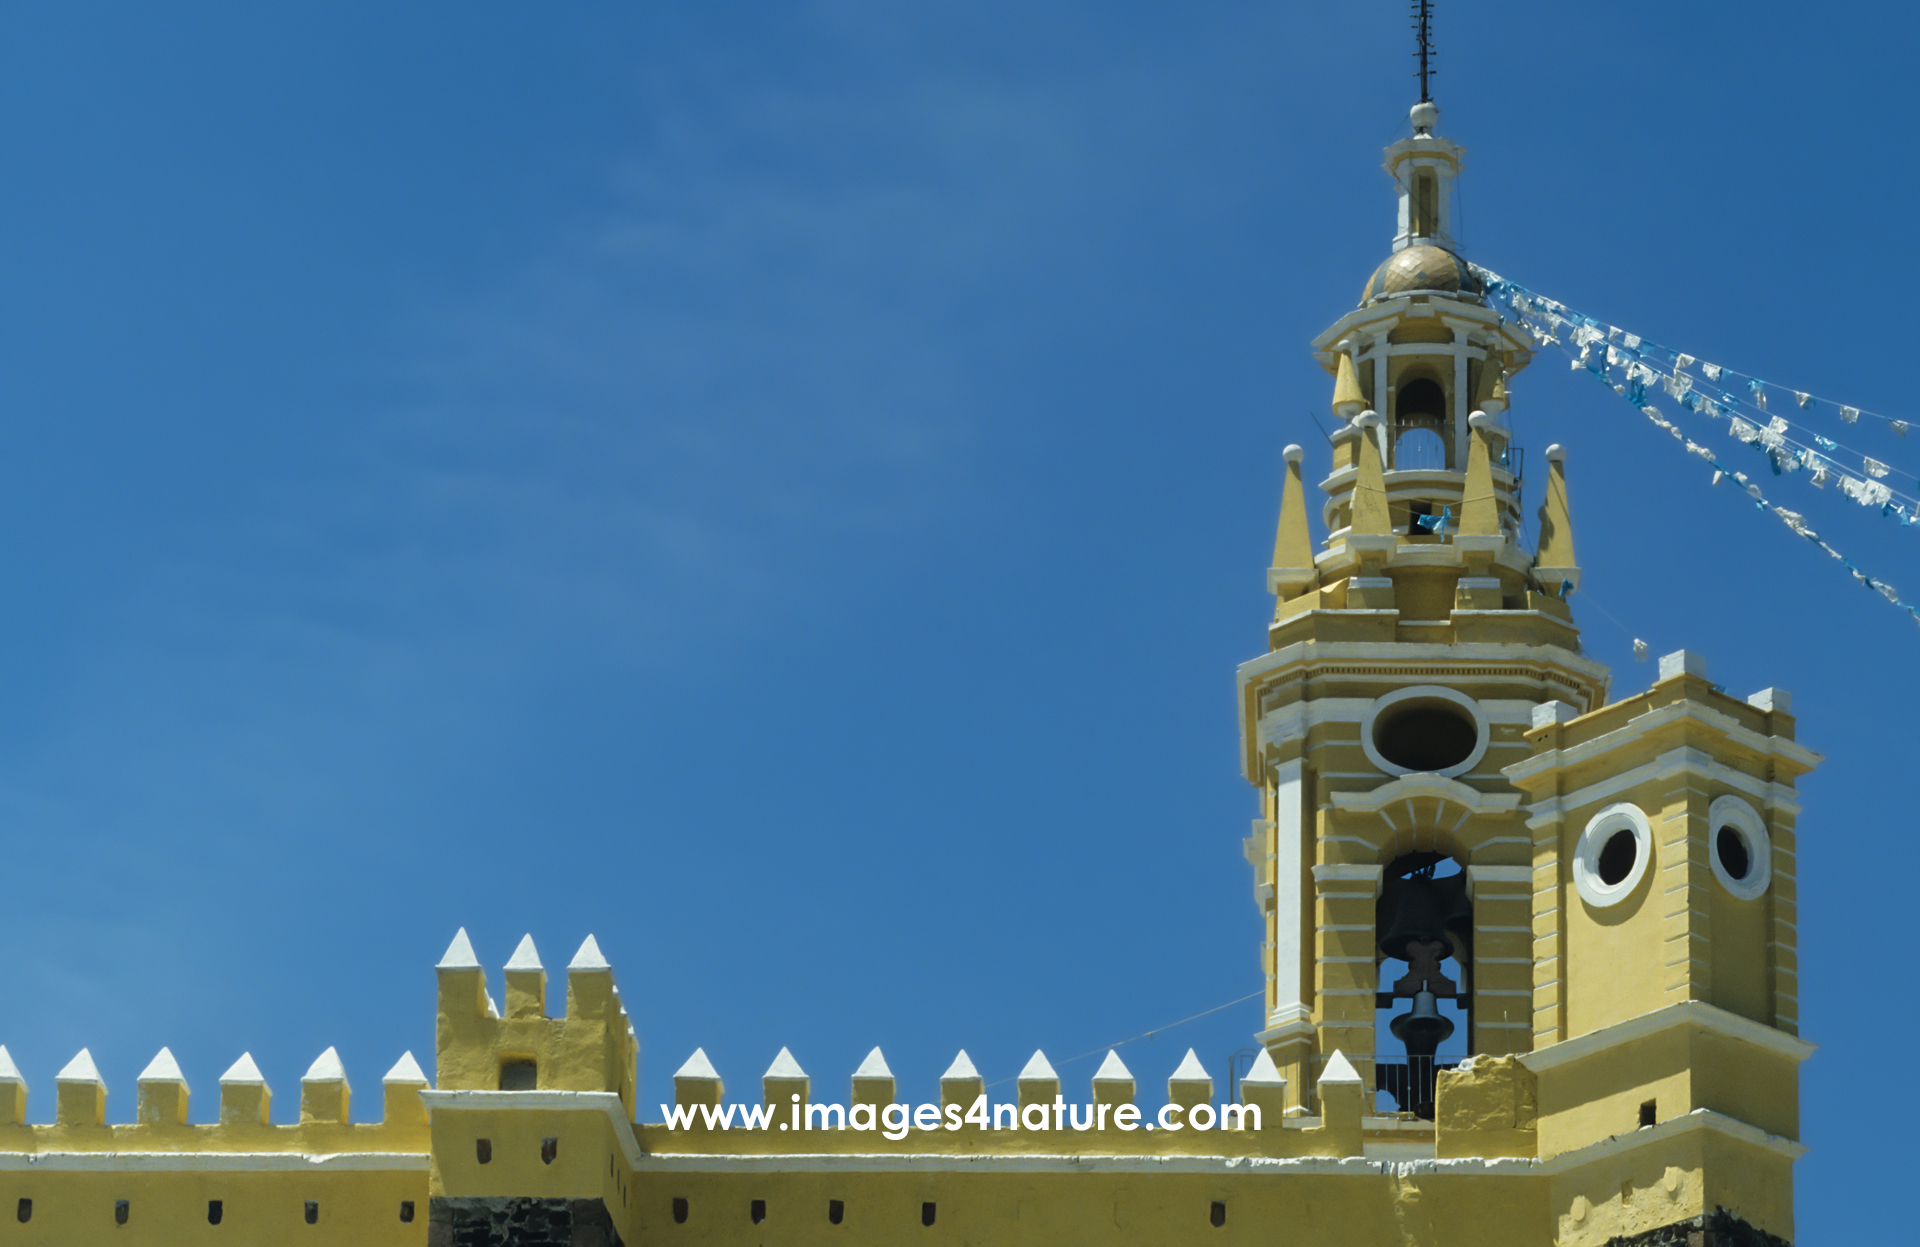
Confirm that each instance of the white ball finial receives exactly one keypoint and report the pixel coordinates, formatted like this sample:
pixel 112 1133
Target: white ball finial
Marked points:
pixel 1556 453
pixel 1424 116
pixel 1293 454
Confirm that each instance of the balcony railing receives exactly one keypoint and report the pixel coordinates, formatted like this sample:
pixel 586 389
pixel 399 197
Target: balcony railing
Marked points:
pixel 1410 1080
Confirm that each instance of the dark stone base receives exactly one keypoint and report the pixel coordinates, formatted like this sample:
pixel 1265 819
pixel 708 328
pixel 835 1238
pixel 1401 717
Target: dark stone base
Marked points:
pixel 1718 1228
pixel 520 1223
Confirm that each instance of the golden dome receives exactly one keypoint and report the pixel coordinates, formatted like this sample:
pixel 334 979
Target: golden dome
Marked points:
pixel 1422 267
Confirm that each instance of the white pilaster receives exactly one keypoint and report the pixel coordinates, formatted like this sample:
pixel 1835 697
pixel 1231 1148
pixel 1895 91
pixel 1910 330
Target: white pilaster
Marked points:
pixel 1290 1010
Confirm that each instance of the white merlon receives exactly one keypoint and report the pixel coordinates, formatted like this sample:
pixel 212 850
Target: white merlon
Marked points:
pixel 526 957
pixel 163 1068
pixel 406 1072
pixel 1339 1070
pixel 1038 1069
pixel 875 1066
pixel 1553 712
pixel 1772 699
pixel 1682 662
pixel 961 1069
pixel 1264 1071
pixel 326 1068
pixel 459 954
pixel 1113 1069
pixel 698 1066
pixel 80 1069
pixel 245 1073
pixel 9 1072
pixel 1190 1070
pixel 784 1066
pixel 588 958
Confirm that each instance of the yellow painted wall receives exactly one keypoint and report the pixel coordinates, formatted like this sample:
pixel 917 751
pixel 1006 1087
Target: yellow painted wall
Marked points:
pixel 170 1207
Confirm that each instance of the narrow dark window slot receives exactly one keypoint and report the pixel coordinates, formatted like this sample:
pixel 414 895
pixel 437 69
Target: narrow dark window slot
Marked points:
pixel 214 1212
pixel 25 1211
pixel 679 1210
pixel 483 1151
pixel 836 1211
pixel 1649 1113
pixel 926 1213
pixel 758 1211
pixel 121 1210
pixel 406 1212
pixel 313 1212
pixel 549 1148
pixel 1218 1213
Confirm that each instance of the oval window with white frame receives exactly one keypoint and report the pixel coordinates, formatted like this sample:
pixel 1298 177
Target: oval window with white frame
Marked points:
pixel 1612 855
pixel 1741 850
pixel 1424 729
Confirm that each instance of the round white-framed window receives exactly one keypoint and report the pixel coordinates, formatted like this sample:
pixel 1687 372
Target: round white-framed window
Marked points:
pixel 1424 729
pixel 1612 855
pixel 1740 848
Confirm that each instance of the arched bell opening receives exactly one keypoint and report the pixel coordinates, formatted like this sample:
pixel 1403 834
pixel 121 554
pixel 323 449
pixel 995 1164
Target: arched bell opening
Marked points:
pixel 1423 1006
pixel 1419 425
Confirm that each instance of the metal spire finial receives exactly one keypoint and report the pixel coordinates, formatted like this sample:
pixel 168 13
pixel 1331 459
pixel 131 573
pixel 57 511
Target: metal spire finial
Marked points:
pixel 1423 35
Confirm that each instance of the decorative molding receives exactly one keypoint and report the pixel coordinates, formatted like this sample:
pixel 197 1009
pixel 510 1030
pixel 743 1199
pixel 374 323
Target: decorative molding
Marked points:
pixel 1731 812
pixel 213 1162
pixel 1685 760
pixel 1483 730
pixel 1416 785
pixel 1685 1013
pixel 1602 828
pixel 544 1102
pixel 1652 721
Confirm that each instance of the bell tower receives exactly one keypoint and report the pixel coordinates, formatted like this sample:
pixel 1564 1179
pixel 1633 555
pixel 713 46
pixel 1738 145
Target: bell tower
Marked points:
pixel 1463 842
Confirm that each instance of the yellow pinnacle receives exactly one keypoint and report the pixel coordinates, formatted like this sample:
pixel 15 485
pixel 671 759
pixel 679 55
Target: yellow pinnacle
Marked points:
pixel 1556 562
pixel 1479 512
pixel 1347 399
pixel 1293 567
pixel 1370 488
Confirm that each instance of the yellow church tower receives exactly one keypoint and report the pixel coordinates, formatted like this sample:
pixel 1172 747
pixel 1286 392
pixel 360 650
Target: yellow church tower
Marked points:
pixel 1593 900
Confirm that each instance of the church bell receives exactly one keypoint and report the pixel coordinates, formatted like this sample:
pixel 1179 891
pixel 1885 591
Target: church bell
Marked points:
pixel 1414 909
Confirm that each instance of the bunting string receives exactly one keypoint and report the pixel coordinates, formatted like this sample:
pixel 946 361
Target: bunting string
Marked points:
pixel 1637 369
pixel 1718 374
pixel 1608 352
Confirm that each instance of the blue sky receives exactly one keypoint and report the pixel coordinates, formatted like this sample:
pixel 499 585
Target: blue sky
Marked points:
pixel 784 488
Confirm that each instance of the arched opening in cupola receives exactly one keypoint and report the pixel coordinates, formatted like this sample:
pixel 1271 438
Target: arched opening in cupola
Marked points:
pixel 1419 426
pixel 1423 933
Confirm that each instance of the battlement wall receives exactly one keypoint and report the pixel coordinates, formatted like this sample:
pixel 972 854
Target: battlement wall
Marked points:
pixel 80 1178
pixel 479 1047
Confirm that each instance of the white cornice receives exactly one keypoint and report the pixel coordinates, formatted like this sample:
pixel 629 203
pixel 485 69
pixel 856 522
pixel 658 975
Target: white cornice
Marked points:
pixel 1253 1166
pixel 1686 1013
pixel 1698 1119
pixel 542 1102
pixel 1393 656
pixel 212 1162
pixel 1640 726
pixel 1777 797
